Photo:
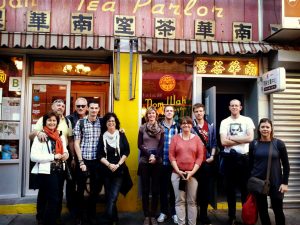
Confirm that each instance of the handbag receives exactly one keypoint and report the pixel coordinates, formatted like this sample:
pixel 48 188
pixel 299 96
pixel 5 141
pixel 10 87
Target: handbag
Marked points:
pixel 249 211
pixel 68 172
pixel 260 186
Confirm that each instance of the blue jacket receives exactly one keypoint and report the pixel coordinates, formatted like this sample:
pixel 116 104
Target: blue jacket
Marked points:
pixel 212 140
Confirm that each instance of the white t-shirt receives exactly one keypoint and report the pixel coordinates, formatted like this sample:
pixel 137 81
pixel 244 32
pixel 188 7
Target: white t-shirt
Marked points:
pixel 237 126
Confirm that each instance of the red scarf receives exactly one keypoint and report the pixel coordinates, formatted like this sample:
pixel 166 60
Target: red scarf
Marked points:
pixel 54 135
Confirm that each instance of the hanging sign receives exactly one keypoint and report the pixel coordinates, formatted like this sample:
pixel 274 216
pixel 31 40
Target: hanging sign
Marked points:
pixel 274 80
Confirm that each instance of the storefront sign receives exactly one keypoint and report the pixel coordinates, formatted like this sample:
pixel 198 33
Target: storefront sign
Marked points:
pixel 291 13
pixel 15 83
pixel 227 66
pixel 274 81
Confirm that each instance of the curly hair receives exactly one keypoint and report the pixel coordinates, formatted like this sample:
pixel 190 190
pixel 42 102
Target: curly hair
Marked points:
pixel 105 118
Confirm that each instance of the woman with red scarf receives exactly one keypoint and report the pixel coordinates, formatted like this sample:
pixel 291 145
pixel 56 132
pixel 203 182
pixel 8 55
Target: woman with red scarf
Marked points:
pixel 49 157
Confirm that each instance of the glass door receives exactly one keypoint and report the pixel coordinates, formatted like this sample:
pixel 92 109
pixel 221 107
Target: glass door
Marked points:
pixel 40 97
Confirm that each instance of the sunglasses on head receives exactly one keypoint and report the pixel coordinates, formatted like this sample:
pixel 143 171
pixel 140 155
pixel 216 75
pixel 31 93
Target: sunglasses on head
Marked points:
pixel 80 106
pixel 59 101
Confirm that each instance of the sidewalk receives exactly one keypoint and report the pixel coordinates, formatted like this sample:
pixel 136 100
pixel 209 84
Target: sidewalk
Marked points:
pixel 218 217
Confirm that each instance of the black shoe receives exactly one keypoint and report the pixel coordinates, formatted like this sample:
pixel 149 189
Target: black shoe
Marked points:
pixel 205 221
pixel 231 221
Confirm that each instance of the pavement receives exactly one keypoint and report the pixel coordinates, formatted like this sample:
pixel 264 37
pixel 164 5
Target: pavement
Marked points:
pixel 218 217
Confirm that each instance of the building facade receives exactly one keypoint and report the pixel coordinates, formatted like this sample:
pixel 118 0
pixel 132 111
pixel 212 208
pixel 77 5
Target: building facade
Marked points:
pixel 133 54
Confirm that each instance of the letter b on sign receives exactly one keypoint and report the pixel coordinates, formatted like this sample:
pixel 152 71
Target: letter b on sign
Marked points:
pixel 15 83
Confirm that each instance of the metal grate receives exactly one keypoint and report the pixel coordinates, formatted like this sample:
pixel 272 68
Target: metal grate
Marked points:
pixel 286 116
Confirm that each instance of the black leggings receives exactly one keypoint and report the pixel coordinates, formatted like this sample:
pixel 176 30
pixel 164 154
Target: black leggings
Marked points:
pixel 150 175
pixel 277 206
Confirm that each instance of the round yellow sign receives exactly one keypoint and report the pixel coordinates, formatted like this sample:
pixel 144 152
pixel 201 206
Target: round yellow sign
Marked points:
pixel 167 83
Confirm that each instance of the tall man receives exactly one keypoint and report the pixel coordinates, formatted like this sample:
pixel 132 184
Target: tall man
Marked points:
pixel 236 132
pixel 207 133
pixel 86 137
pixel 58 106
pixel 166 190
pixel 71 193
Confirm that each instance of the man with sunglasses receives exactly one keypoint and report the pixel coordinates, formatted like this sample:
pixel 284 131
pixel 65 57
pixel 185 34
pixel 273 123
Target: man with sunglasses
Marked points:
pixel 65 127
pixel 71 193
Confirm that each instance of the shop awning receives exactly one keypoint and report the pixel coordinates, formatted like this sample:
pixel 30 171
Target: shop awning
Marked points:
pixel 177 46
pixel 55 41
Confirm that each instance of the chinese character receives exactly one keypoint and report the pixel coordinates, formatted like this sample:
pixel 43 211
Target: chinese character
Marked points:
pixel 205 29
pixel 234 67
pixel 38 21
pixel 218 67
pixel 82 23
pixel 250 69
pixel 242 31
pixel 2 19
pixel 201 66
pixel 124 25
pixel 164 28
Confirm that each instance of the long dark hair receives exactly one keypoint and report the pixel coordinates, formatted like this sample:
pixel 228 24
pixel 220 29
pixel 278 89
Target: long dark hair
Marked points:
pixel 264 120
pixel 104 120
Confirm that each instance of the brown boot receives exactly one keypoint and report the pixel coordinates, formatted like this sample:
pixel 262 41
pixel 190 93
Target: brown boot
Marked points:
pixel 147 221
pixel 153 221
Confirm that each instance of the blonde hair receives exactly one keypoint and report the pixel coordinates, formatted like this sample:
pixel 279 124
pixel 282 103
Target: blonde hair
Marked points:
pixel 149 109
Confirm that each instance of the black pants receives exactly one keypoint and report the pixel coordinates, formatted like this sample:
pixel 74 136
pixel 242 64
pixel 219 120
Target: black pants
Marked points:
pixel 167 197
pixel 150 176
pixel 205 178
pixel 95 186
pixel 48 199
pixel 71 190
pixel 236 174
pixel 277 206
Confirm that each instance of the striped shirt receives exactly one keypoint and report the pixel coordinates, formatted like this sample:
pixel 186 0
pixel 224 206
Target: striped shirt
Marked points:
pixel 89 136
pixel 170 131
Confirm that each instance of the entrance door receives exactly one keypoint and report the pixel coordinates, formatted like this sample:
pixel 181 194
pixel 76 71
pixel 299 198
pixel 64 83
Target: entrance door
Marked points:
pixel 210 112
pixel 41 95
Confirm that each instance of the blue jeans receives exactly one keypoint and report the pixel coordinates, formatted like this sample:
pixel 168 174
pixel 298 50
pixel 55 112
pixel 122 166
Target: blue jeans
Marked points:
pixel 112 185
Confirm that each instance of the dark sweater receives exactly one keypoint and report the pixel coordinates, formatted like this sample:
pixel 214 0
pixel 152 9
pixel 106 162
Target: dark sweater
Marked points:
pixel 146 143
pixel 258 163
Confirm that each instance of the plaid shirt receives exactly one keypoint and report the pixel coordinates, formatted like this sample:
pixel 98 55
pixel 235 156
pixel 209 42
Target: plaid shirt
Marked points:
pixel 89 137
pixel 169 133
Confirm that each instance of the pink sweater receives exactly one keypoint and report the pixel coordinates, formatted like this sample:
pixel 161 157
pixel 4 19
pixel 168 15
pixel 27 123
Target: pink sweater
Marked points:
pixel 186 153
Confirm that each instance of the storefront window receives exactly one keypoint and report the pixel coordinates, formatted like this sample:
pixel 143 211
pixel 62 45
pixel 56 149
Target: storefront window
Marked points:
pixel 167 83
pixel 10 106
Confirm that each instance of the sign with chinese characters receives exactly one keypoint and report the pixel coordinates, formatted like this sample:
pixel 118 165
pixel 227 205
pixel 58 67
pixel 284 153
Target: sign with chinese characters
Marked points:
pixel 124 25
pixel 38 21
pixel 243 67
pixel 205 30
pixel 82 23
pixel 2 19
pixel 165 28
pixel 291 13
pixel 242 31
pixel 274 80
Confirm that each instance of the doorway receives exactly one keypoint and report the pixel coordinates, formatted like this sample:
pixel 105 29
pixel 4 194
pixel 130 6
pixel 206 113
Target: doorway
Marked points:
pixel 42 92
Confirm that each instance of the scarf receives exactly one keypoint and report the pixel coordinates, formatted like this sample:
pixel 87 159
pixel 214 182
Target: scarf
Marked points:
pixel 153 129
pixel 112 140
pixel 54 135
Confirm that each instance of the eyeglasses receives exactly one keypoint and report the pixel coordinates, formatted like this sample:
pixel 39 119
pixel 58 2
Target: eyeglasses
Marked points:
pixel 59 101
pixel 80 106
pixel 111 121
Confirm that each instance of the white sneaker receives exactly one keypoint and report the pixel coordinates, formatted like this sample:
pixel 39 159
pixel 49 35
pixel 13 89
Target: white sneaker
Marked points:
pixel 161 218
pixel 175 219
